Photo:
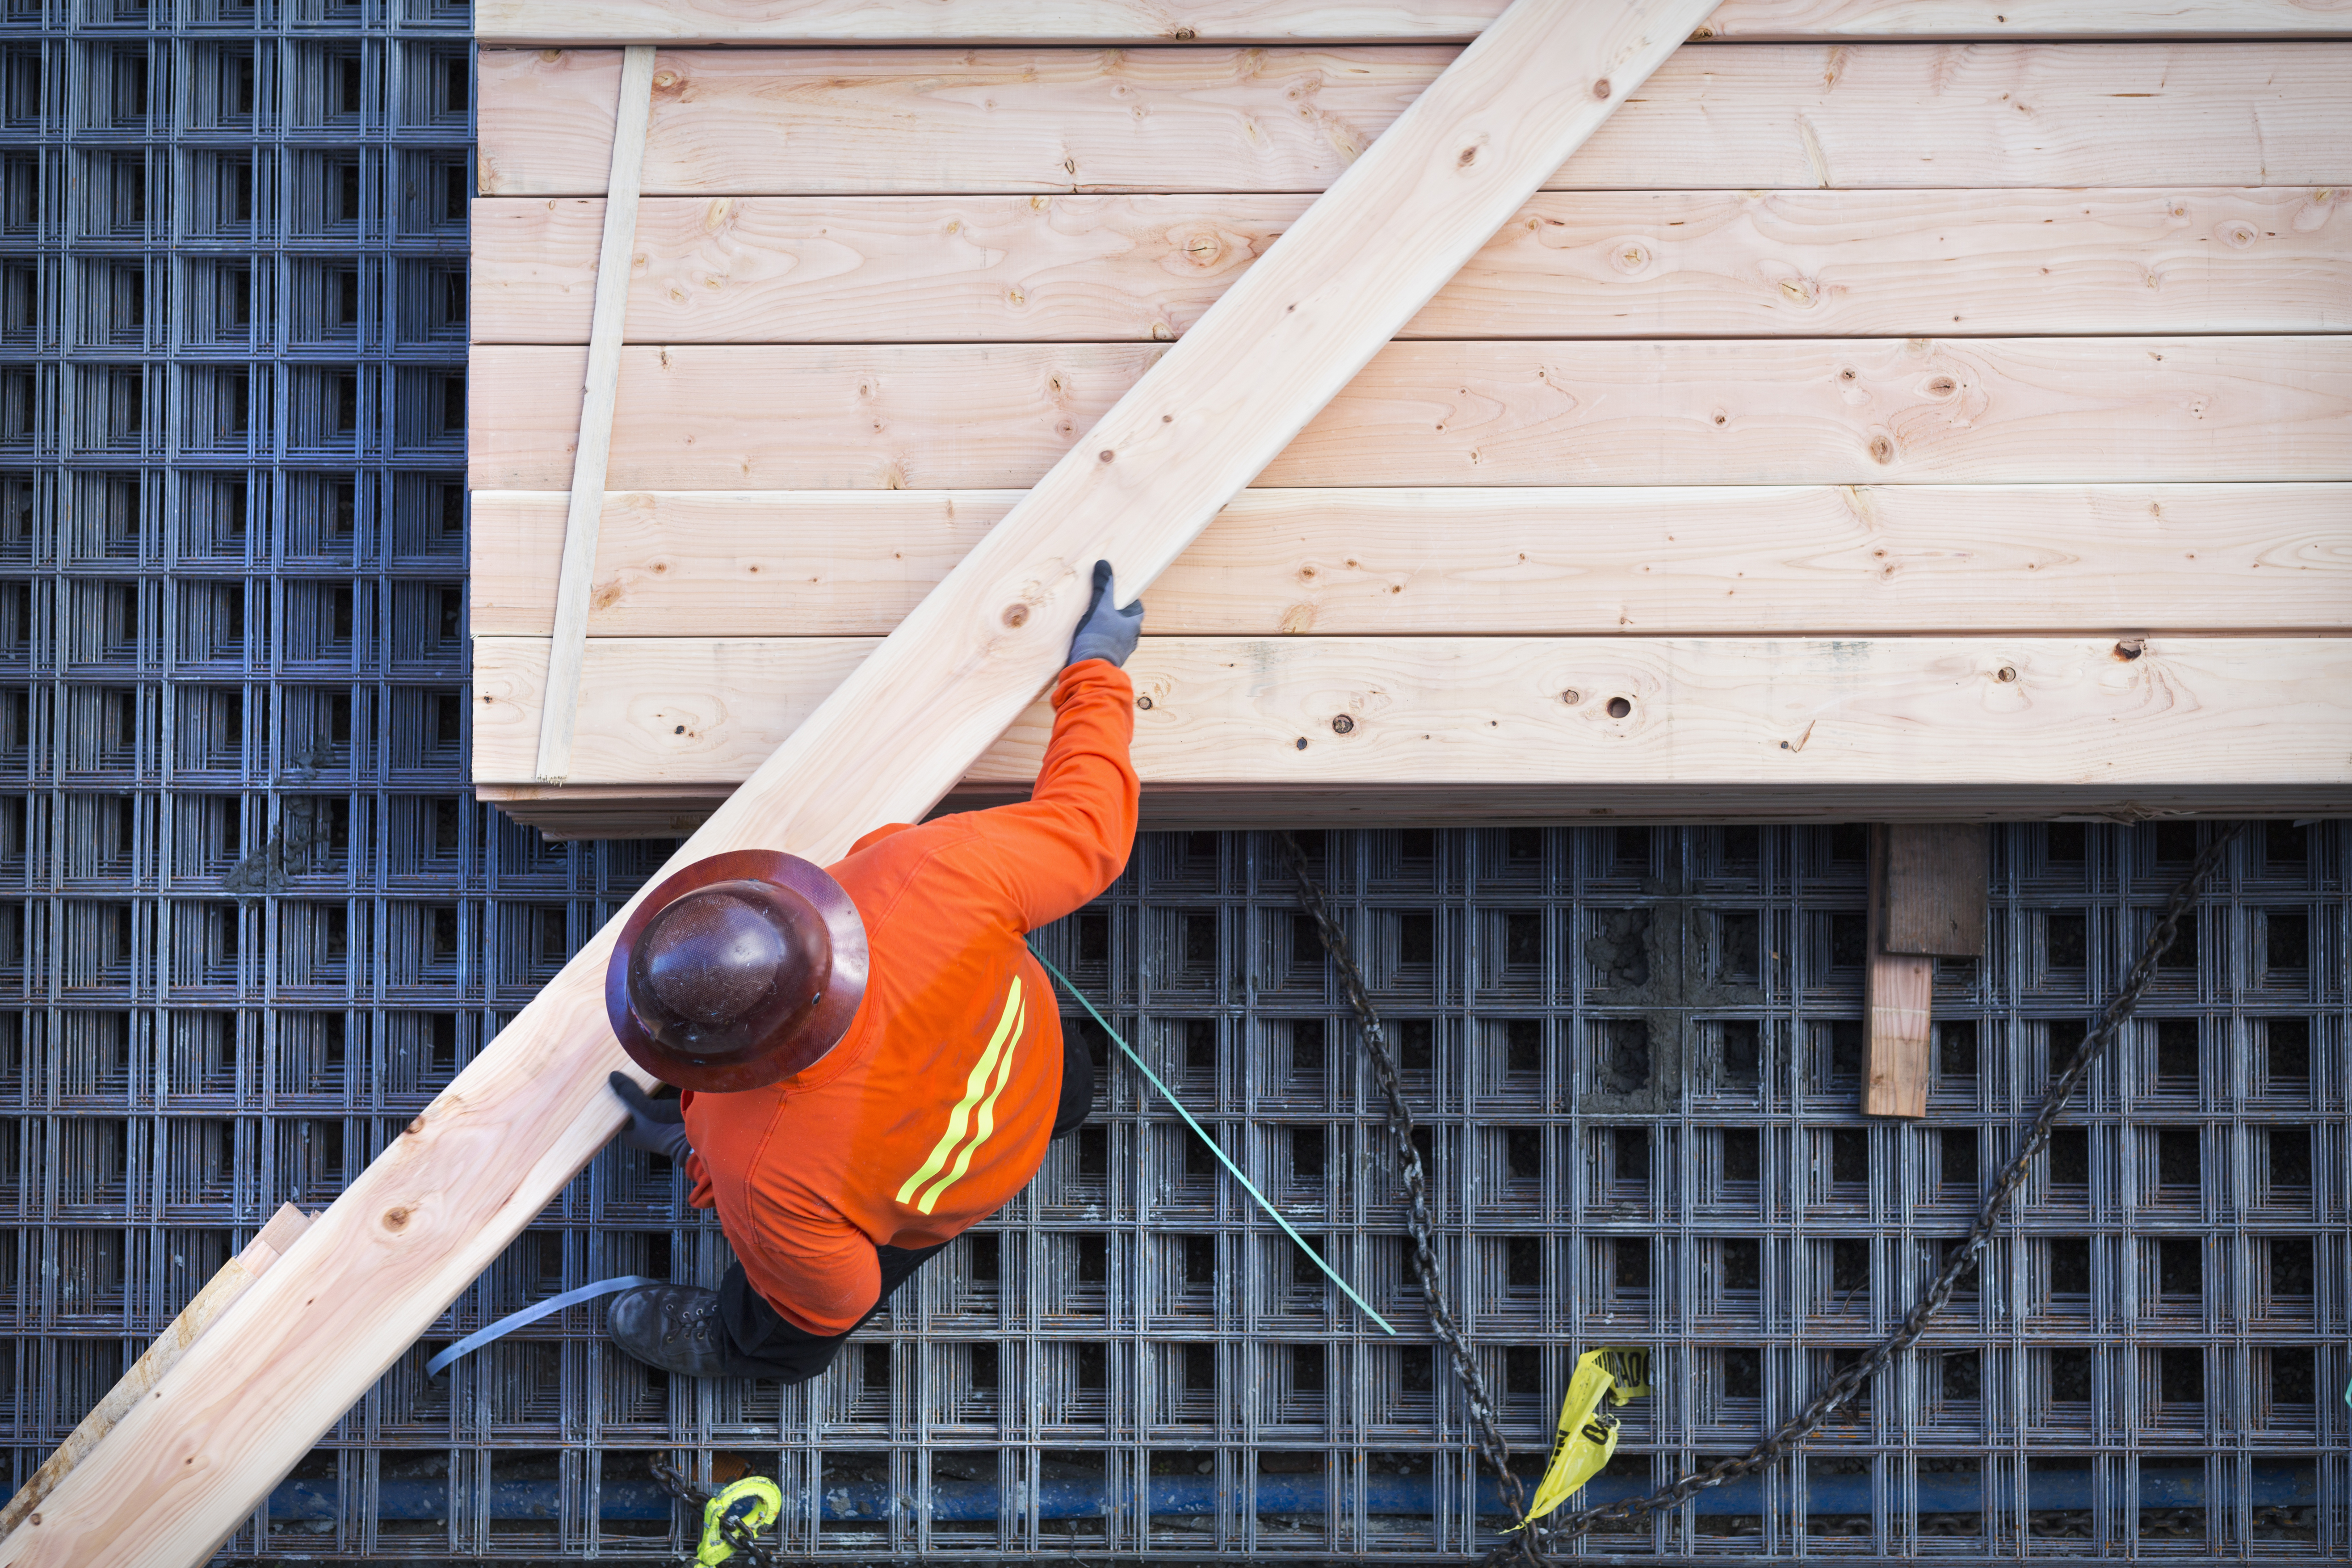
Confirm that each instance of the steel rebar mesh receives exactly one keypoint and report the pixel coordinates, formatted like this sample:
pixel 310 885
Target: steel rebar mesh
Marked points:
pixel 250 920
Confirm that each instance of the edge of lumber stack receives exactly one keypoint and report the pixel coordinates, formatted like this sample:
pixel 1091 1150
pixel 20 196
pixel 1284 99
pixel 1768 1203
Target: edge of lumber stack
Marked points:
pixel 1135 22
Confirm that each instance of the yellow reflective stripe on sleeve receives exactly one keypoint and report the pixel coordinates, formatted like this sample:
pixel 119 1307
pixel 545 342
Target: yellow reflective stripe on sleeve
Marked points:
pixel 973 1088
pixel 985 1125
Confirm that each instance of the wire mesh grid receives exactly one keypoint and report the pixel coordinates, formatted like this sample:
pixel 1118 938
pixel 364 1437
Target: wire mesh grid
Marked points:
pixel 250 921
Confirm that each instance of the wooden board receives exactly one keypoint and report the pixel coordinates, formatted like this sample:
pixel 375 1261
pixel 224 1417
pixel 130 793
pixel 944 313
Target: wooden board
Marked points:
pixel 1133 21
pixel 1648 559
pixel 1936 894
pixel 1854 412
pixel 1472 711
pixel 801 269
pixel 449 1192
pixel 669 811
pixel 232 1279
pixel 1899 1047
pixel 609 308
pixel 738 122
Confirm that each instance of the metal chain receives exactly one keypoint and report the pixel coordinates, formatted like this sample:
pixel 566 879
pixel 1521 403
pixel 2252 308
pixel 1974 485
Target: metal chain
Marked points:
pixel 1850 1381
pixel 1487 1428
pixel 745 1541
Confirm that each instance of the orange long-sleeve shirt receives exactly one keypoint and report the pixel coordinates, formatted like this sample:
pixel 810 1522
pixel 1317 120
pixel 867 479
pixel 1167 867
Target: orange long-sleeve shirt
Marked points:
pixel 936 1106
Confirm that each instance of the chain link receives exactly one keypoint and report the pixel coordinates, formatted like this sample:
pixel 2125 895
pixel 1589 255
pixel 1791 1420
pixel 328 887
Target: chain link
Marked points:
pixel 745 1541
pixel 1487 1428
pixel 1850 1381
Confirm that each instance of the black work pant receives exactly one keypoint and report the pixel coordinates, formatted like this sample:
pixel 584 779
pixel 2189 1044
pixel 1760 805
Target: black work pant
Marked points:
pixel 767 1345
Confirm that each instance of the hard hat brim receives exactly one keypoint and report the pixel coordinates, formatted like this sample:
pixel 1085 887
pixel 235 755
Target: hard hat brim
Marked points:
pixel 804 1035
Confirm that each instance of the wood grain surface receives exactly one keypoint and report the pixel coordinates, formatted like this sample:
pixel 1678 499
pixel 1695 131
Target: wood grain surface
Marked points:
pixel 1479 710
pixel 1898 997
pixel 805 269
pixel 229 1281
pixel 608 315
pixel 740 122
pixel 1936 891
pixel 1132 22
pixel 450 1190
pixel 1797 412
pixel 1645 559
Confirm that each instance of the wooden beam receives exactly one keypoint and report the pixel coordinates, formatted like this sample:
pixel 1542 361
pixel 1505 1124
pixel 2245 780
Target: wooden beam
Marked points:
pixel 1648 559
pixel 730 123
pixel 1132 23
pixel 1474 711
pixel 591 450
pixel 232 1279
pixel 1899 1062
pixel 1780 412
pixel 452 1189
pixel 668 811
pixel 1645 264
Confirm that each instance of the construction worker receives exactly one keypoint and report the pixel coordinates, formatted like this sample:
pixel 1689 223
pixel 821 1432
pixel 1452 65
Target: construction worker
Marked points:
pixel 845 1138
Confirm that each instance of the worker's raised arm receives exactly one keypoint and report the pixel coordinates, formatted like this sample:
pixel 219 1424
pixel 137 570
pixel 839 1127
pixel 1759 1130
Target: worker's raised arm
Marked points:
pixel 1069 841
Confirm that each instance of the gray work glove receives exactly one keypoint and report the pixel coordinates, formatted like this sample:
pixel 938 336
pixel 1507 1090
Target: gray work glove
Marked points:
pixel 656 1126
pixel 1106 631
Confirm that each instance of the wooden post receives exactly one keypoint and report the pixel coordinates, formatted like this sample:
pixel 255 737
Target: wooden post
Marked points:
pixel 592 452
pixel 1927 898
pixel 447 1195
pixel 233 1279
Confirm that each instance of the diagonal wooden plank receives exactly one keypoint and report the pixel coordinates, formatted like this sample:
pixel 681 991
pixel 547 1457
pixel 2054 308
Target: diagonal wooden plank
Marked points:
pixel 464 1178
pixel 232 1279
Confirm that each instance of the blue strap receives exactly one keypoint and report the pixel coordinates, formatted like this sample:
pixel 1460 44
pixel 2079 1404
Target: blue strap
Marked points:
pixel 1247 1185
pixel 532 1315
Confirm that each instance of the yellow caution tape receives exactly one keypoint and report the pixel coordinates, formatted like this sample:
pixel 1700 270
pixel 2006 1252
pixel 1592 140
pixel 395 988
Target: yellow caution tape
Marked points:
pixel 1587 1433
pixel 755 1502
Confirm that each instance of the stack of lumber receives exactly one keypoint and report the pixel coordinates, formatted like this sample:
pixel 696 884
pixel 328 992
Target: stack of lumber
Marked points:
pixel 1897 410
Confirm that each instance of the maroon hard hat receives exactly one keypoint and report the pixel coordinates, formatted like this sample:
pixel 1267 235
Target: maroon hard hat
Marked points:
pixel 737 972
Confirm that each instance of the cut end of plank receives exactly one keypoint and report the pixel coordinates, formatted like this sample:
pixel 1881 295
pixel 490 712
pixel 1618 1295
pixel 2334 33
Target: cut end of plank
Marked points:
pixel 284 1228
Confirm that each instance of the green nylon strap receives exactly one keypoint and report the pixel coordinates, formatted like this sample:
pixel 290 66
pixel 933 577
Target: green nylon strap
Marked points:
pixel 1247 1185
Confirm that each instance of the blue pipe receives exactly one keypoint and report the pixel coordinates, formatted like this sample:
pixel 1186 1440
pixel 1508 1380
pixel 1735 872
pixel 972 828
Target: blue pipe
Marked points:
pixel 2275 1486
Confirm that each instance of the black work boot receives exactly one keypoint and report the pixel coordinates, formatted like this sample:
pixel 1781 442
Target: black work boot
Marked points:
pixel 675 1328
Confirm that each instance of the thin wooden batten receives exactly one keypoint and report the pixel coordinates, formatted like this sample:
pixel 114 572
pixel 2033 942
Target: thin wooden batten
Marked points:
pixel 592 452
